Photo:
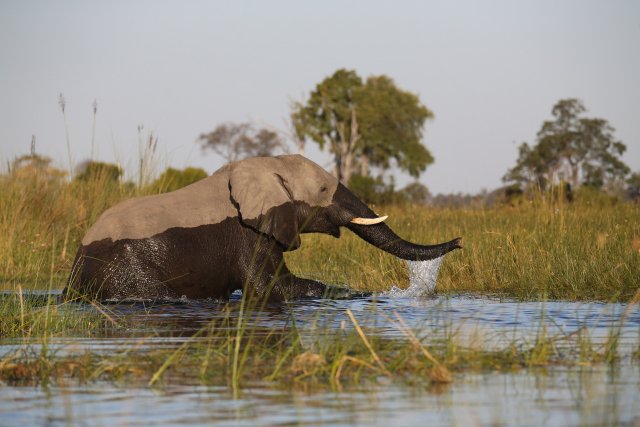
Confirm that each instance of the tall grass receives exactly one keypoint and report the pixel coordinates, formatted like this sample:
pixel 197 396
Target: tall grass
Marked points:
pixel 588 249
pixel 42 220
pixel 585 250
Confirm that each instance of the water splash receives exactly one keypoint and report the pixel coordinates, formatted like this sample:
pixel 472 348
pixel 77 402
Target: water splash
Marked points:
pixel 422 279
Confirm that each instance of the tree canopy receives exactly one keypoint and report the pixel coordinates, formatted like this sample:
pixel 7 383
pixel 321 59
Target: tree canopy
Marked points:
pixel 173 179
pixel 91 170
pixel 633 186
pixel 237 141
pixel 35 166
pixel 365 123
pixel 571 148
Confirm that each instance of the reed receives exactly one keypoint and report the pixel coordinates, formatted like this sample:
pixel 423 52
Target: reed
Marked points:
pixel 324 357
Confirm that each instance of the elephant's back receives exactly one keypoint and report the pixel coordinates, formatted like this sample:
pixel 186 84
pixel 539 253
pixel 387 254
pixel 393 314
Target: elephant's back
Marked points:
pixel 201 203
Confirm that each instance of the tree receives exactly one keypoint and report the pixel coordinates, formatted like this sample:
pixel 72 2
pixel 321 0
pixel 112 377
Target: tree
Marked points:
pixel 633 186
pixel 173 179
pixel 363 124
pixel 415 193
pixel 36 166
pixel 373 191
pixel 296 127
pixel 238 141
pixel 573 149
pixel 99 170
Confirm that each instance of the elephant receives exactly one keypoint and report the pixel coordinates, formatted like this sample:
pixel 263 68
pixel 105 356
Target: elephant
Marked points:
pixel 227 232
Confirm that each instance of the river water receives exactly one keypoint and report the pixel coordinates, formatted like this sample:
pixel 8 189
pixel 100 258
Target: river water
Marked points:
pixel 561 397
pixel 555 396
pixel 596 395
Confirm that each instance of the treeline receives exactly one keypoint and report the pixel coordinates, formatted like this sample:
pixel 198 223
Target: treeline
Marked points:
pixel 38 168
pixel 372 128
pixel 572 151
pixel 375 191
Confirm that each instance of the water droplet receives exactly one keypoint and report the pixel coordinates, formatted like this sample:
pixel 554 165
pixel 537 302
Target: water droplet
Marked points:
pixel 422 279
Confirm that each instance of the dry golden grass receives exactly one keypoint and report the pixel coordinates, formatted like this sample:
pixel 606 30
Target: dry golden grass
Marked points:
pixel 588 249
pixel 584 250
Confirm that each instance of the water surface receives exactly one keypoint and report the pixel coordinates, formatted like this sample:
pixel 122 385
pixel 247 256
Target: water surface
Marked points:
pixel 597 395
pixel 562 397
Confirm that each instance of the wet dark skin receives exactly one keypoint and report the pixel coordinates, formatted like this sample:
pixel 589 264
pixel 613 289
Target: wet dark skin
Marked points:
pixel 214 260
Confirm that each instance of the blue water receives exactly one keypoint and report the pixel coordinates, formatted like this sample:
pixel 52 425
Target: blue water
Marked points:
pixel 558 396
pixel 486 322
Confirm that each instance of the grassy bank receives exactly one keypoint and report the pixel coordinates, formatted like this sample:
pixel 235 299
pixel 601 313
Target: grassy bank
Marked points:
pixel 588 249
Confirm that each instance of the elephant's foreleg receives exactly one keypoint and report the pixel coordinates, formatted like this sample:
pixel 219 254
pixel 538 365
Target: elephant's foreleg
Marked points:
pixel 279 284
pixel 266 277
pixel 293 287
pixel 286 287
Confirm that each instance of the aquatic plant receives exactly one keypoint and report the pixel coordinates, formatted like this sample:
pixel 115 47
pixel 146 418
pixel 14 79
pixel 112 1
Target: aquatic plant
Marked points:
pixel 235 350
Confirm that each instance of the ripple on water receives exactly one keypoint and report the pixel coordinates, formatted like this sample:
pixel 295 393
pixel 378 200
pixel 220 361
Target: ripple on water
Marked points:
pixel 558 396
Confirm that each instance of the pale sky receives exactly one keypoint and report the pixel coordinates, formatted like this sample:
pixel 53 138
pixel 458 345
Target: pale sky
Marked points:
pixel 489 70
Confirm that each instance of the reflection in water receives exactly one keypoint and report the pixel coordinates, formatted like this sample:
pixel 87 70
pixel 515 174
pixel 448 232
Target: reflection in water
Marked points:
pixel 561 397
pixel 555 396
pixel 479 322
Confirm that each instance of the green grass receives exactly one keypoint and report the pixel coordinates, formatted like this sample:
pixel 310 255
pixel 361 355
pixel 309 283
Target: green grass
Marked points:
pixel 29 316
pixel 585 250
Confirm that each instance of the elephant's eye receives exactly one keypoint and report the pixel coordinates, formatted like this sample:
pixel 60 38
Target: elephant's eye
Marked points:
pixel 323 189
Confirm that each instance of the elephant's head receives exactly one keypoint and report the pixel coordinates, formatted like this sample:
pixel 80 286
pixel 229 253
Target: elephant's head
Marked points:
pixel 287 195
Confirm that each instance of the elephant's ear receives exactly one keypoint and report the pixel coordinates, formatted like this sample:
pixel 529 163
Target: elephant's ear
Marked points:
pixel 263 200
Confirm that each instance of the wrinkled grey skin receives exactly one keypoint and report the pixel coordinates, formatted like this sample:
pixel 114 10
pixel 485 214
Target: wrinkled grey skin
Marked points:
pixel 226 232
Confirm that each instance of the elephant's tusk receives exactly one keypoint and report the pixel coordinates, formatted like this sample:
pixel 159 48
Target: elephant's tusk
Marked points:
pixel 369 221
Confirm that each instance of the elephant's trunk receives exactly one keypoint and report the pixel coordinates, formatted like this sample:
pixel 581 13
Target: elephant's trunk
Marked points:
pixel 348 206
pixel 381 236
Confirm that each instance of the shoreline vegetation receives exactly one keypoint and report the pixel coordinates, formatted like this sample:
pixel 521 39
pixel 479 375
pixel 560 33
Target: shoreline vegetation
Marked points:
pixel 543 248
pixel 539 248
pixel 233 350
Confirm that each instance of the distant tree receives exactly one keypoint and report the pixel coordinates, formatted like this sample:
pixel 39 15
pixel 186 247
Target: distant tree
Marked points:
pixel 35 166
pixel 571 148
pixel 91 170
pixel 415 193
pixel 365 124
pixel 633 186
pixel 373 191
pixel 237 141
pixel 460 200
pixel 173 179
